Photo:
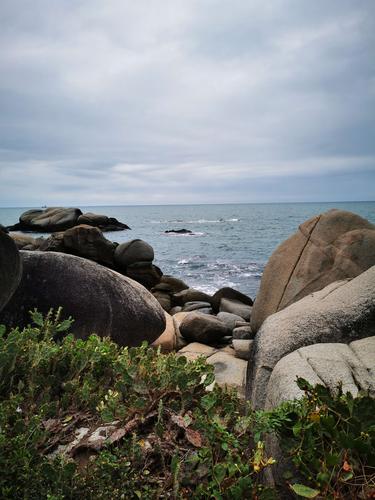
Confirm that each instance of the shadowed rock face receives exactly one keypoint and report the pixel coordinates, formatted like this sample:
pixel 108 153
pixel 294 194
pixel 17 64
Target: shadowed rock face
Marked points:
pixel 100 300
pixel 10 268
pixel 343 311
pixel 329 247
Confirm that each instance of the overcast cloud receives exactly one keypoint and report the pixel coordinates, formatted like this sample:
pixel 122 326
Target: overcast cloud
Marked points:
pixel 186 101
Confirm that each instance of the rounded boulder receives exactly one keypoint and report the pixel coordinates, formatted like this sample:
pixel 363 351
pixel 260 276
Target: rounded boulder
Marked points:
pixel 100 300
pixel 10 268
pixel 133 251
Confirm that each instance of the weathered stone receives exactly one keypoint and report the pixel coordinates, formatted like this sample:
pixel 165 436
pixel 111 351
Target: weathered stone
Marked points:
pixel 229 319
pixel 25 242
pixel 167 340
pixel 193 306
pixel 329 247
pixel 175 310
pixel 197 327
pixel 195 350
pixel 145 273
pixel 100 300
pixel 243 333
pixel 132 252
pixel 89 242
pixel 47 220
pixel 229 293
pixel 164 300
pixel 10 268
pixel 342 312
pixel 54 243
pixel 103 222
pixel 229 371
pixel 242 348
pixel 235 307
pixel 327 364
pixel 190 295
pixel 175 285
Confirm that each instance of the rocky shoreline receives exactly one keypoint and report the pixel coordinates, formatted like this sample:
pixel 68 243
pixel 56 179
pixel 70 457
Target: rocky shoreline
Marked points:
pixel 235 335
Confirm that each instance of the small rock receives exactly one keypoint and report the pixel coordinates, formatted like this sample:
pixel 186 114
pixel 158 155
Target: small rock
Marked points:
pixel 229 319
pixel 229 293
pixel 196 327
pixel 206 310
pixel 190 295
pixel 192 306
pixel 175 310
pixel 235 307
pixel 176 285
pixel 243 333
pixel 145 273
pixel 164 300
pixel 242 348
pixel 195 349
pixel 179 231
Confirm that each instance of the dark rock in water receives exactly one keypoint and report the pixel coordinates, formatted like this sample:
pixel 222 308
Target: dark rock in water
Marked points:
pixel 198 327
pixel 102 222
pixel 132 252
pixel 332 246
pixel 145 273
pixel 10 268
pixel 88 241
pixel 229 293
pixel 47 220
pixel 100 300
pixel 179 231
pixel 190 295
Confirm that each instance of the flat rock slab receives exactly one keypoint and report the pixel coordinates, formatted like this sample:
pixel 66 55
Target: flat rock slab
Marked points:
pixel 236 307
pixel 230 372
pixel 352 366
pixel 100 300
pixel 10 268
pixel 342 312
pixel 195 350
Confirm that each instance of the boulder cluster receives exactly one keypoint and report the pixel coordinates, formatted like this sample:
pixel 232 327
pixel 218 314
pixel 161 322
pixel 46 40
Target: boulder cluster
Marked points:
pixel 317 288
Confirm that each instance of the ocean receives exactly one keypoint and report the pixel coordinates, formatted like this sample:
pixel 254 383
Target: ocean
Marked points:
pixel 229 244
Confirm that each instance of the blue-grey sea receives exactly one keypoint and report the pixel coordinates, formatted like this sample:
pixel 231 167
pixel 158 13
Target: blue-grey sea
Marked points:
pixel 230 244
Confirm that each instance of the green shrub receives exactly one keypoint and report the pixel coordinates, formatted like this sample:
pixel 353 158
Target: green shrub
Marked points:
pixel 174 437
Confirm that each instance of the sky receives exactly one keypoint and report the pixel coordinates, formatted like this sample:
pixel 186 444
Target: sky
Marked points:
pixel 122 102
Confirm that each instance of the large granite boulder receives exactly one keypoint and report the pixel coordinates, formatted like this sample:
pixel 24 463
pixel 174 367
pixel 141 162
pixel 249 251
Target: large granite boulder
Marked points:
pixel 10 268
pixel 88 241
pixel 47 220
pixel 100 300
pixel 103 222
pixel 342 312
pixel 350 365
pixel 329 247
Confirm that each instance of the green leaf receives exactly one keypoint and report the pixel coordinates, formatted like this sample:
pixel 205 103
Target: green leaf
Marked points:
pixel 304 491
pixel 2 330
pixel 220 472
pixel 37 318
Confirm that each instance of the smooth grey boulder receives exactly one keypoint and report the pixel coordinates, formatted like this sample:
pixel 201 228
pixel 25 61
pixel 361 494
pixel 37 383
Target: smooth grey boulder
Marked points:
pixel 10 268
pixel 229 319
pixel 332 246
pixel 132 252
pixel 236 307
pixel 342 312
pixel 100 300
pixel 242 348
pixel 351 365
pixel 199 327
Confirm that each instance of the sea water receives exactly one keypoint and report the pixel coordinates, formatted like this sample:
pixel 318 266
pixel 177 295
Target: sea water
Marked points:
pixel 229 245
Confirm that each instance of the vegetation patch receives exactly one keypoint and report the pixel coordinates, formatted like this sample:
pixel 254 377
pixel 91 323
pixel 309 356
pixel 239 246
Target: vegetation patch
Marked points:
pixel 88 419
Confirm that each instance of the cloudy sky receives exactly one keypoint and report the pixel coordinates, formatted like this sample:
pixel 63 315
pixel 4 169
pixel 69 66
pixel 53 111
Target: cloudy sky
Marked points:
pixel 186 101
